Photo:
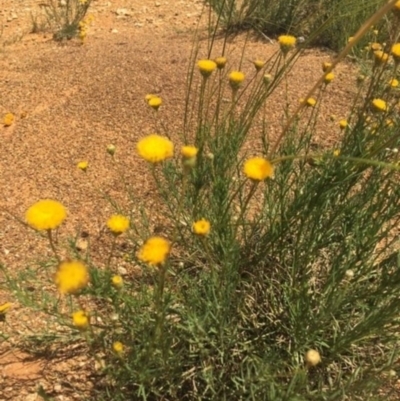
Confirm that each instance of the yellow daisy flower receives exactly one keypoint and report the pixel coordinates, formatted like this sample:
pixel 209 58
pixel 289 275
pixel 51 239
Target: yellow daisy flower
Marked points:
pixel 380 57
pixel 154 251
pixel 336 152
pixel 287 43
pixel 393 83
pixel 80 320
pixel 46 214
pixel 71 277
pixel 235 79
pixel 155 148
pixel 221 62
pixel 311 102
pixel 111 149
pixel 117 281
pixel 118 224
pixel 343 124
pixel 206 67
pixel 396 52
pixel 258 169
pixel 189 151
pixel 329 78
pixel 312 358
pixel 258 64
pixel 326 66
pixel 379 105
pixel 155 102
pixel 8 119
pixel 118 347
pixel 201 227
pixel 83 165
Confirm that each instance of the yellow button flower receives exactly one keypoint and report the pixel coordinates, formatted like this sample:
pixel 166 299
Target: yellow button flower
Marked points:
pixel 8 119
pixel 155 102
pixel 312 358
pixel 117 281
pixel 118 224
pixel 221 62
pixel 80 320
pixel 83 165
pixel 343 124
pixel 326 66
pixel 286 42
pixel 71 277
pixel 46 214
pixel 329 77
pixel 118 347
pixel 201 227
pixel 189 151
pixel 396 52
pixel 206 67
pixel 393 83
pixel 379 105
pixel 235 79
pixel 381 57
pixel 311 102
pixel 155 148
pixel 258 64
pixel 258 169
pixel 154 251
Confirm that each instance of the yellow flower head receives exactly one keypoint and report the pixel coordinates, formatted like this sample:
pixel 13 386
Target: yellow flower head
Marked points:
pixel 154 251
pixel 206 67
pixel 111 150
pixel 286 42
pixel 396 52
pixel 118 224
pixel 311 102
pixel 312 358
pixel 80 319
pixel 83 165
pixel 258 169
pixel 201 227
pixel 258 64
pixel 336 152
pixel 381 57
pixel 393 83
pixel 326 66
pixel 71 277
pixel 235 79
pixel 8 119
pixel 155 102
pixel 379 105
pixel 221 62
pixel 329 77
pixel 188 151
pixel 343 124
pixel 117 281
pixel 267 79
pixel 376 47
pixel 46 214
pixel 118 347
pixel 155 148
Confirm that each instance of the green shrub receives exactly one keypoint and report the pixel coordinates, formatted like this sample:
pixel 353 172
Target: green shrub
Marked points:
pixel 325 22
pixel 66 18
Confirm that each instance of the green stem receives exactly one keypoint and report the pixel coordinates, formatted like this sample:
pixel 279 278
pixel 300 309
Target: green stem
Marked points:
pixel 52 246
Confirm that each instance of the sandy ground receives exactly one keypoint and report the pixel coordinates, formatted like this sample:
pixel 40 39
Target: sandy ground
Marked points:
pixel 70 102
